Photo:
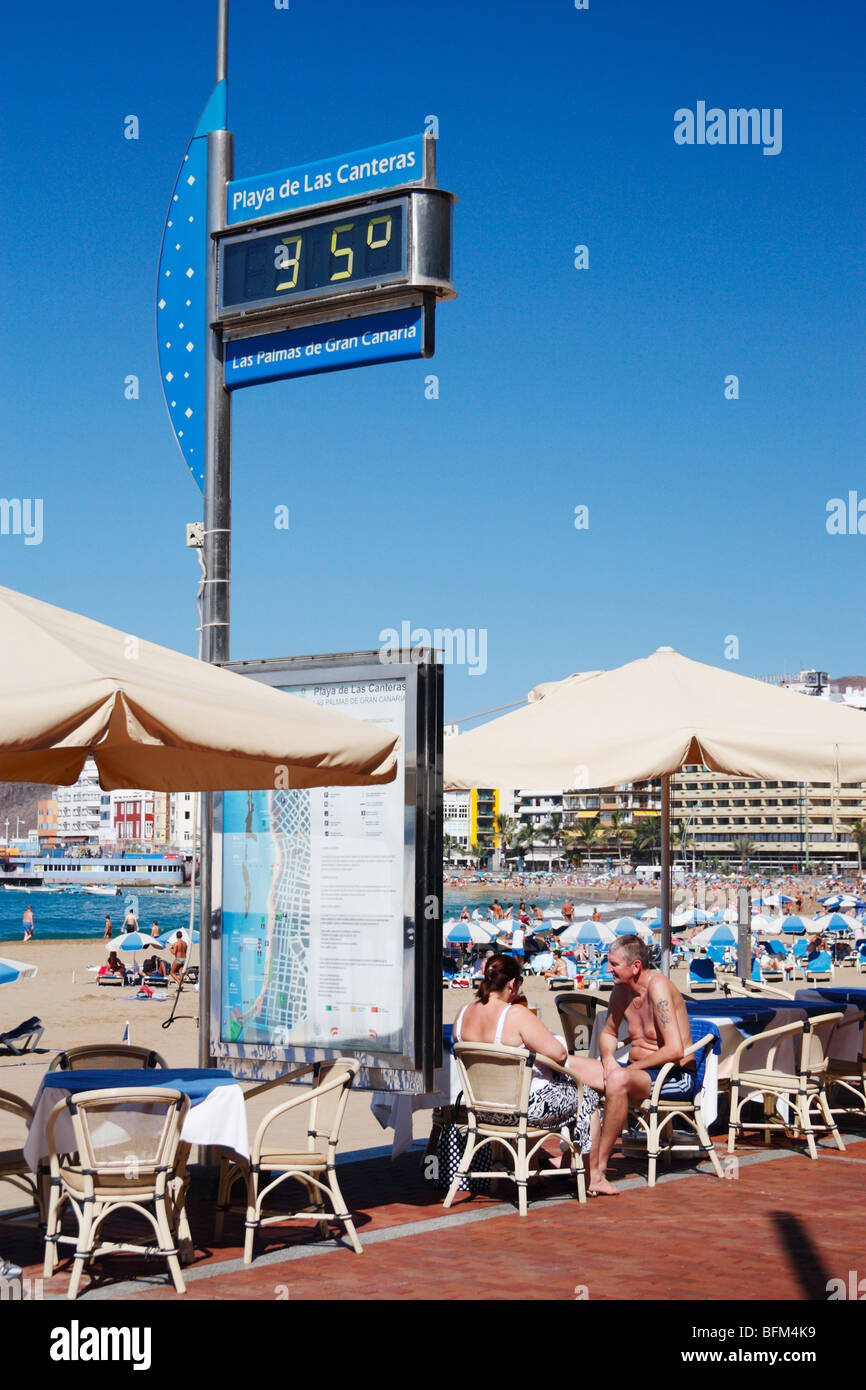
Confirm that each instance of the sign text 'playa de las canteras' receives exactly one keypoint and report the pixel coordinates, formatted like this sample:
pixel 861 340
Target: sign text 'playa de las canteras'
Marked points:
pixel 327 180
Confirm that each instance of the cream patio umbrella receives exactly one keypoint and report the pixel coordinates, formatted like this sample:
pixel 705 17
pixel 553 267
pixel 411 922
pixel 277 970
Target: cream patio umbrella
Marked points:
pixel 650 718
pixel 152 717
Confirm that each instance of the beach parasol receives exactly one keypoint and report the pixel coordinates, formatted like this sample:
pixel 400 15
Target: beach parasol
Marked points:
pixel 587 934
pixel 765 925
pixel 630 926
pixel 835 921
pixel 650 718
pixel 721 935
pixel 12 970
pixel 796 926
pixel 154 718
pixel 462 933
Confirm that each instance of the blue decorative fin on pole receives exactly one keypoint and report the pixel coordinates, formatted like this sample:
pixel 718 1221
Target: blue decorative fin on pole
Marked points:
pixel 181 317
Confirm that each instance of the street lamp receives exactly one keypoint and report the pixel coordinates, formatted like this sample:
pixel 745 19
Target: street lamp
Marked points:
pixel 691 817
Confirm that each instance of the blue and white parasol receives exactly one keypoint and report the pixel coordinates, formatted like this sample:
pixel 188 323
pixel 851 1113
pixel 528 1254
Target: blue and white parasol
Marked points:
pixel 12 970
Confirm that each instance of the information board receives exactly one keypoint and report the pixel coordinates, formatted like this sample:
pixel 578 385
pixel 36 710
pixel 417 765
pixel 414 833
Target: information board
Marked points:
pixel 318 892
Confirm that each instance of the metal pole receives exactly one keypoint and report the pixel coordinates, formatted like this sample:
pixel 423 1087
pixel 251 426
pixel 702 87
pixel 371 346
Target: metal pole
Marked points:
pixel 666 874
pixel 217 501
pixel 744 931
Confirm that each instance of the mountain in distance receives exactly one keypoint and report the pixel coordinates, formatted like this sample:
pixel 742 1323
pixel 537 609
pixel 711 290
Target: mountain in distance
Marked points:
pixel 20 799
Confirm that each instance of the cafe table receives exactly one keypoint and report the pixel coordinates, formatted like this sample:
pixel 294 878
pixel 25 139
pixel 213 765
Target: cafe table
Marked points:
pixel 216 1116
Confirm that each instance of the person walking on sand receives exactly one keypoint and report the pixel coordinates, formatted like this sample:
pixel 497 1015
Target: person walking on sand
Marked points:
pixel 106 936
pixel 27 923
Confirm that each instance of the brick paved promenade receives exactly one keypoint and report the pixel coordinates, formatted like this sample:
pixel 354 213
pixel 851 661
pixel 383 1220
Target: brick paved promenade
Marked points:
pixel 781 1230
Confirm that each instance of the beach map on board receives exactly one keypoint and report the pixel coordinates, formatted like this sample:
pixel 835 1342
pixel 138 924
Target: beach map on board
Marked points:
pixel 312 901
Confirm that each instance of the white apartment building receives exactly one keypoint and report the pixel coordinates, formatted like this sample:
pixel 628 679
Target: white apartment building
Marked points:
pixel 79 806
pixel 180 820
pixel 456 814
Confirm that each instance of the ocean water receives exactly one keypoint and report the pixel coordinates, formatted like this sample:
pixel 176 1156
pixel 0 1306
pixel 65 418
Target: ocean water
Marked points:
pixel 481 897
pixel 72 914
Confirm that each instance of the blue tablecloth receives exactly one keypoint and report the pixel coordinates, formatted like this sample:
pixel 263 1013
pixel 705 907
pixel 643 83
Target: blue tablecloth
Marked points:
pixel 195 1082
pixel 217 1114
pixel 752 1016
pixel 832 995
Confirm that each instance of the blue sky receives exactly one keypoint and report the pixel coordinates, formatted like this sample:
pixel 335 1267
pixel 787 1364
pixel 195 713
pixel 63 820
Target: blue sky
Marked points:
pixel 558 387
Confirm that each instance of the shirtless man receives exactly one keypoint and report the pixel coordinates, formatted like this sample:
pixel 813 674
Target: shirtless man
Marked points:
pixel 568 910
pixel 659 1031
pixel 178 950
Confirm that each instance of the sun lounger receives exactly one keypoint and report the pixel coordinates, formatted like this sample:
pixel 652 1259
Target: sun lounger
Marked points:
pixel 820 967
pixel 23 1038
pixel 702 976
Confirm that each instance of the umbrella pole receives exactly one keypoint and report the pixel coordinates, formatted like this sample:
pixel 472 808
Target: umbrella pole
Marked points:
pixel 666 874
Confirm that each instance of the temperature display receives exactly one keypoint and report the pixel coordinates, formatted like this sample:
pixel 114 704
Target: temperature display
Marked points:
pixel 316 257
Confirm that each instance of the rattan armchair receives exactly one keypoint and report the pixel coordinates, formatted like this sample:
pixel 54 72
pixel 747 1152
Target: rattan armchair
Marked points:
pixel 14 1168
pixel 495 1080
pixel 804 1087
pixel 126 1144
pixel 97 1056
pixel 577 1012
pixel 314 1168
pixel 655 1116
pixel 849 1077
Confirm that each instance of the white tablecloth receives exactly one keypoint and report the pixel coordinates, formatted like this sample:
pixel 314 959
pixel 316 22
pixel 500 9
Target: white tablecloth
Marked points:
pixel 219 1119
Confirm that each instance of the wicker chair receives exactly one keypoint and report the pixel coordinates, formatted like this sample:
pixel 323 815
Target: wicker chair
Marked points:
pixel 116 1056
pixel 805 1087
pixel 849 1076
pixel 126 1142
pixel 657 1113
pixel 314 1168
pixel 577 1013
pixel 14 1168
pixel 495 1082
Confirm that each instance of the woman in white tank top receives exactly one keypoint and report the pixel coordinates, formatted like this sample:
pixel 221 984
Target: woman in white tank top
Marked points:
pixel 497 1017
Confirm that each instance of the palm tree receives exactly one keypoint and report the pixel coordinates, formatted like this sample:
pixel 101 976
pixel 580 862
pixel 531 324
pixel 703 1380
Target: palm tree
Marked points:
pixel 581 841
pixel 620 831
pixel 479 849
pixel 857 833
pixel 744 848
pixel 648 838
pixel 553 831
pixel 508 828
pixel 528 837
pixel 450 847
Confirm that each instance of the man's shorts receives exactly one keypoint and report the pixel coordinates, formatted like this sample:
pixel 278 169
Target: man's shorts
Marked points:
pixel 680 1083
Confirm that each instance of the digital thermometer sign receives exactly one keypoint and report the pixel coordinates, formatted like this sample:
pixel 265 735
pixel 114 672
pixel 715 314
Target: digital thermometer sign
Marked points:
pixel 350 252
pixel 314 257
